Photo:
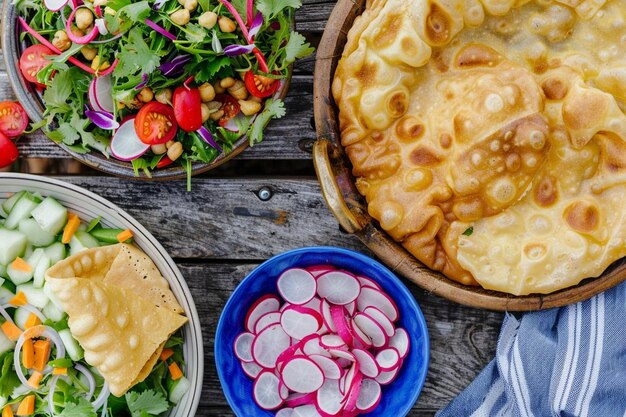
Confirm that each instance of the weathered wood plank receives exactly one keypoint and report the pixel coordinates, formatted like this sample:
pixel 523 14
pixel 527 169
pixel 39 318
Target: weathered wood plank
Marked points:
pixel 462 339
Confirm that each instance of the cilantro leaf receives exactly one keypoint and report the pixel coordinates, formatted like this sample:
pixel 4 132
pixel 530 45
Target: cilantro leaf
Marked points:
pixel 469 231
pixel 82 408
pixel 270 8
pixel 274 109
pixel 58 93
pixel 297 47
pixel 136 12
pixel 136 56
pixel 8 379
pixel 148 402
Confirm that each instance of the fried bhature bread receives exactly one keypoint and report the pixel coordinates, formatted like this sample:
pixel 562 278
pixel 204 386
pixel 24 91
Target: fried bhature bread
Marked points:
pixel 506 117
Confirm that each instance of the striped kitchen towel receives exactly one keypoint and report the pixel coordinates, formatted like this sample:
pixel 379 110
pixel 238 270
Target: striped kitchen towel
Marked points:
pixel 565 362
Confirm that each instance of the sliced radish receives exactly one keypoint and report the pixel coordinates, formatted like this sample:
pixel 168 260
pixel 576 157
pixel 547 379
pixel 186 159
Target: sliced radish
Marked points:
pixel 371 297
pixel 125 144
pixel 338 287
pixel 381 319
pixel 315 303
pixel 252 369
pixel 370 396
pixel 266 320
pixel 386 378
pixel 360 338
pixel 353 389
pixel 302 375
pixel 283 391
pixel 342 383
pixel 297 286
pixel 296 400
pixel 318 270
pixel 368 282
pixel 313 347
pixel 329 367
pixel 332 341
pixel 100 94
pixel 329 400
pixel 371 328
pixel 284 412
pixel 342 354
pixel 55 5
pixel 266 392
pixel 327 316
pixel 305 411
pixel 388 359
pixel 351 308
pixel 338 316
pixel 243 347
pixel 299 322
pixel 344 363
pixel 368 365
pixel 266 304
pixel 401 342
pixel 269 344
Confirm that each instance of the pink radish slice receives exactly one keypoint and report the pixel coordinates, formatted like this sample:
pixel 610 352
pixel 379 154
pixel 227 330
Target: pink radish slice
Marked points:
pixel 266 392
pixel 351 308
pixel 313 347
pixel 371 297
pixel 342 384
pixel 315 304
pixel 55 5
pixel 360 338
pixel 302 375
pixel 381 319
pixel 283 391
pixel 329 400
pixel 100 94
pixel 353 390
pixel 252 369
pixel 305 411
pixel 388 359
pixel 371 328
pixel 368 365
pixel 266 304
pixel 318 270
pixel 243 347
pixel 284 412
pixel 125 144
pixel 296 400
pixel 370 396
pixel 354 369
pixel 269 344
pixel 299 322
pixel 386 378
pixel 328 366
pixel 297 286
pixel 338 287
pixel 344 363
pixel 368 282
pixel 332 341
pixel 266 320
pixel 327 316
pixel 338 316
pixel 342 354
pixel 401 341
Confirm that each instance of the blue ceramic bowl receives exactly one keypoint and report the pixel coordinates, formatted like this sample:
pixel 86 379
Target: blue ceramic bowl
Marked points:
pixel 398 397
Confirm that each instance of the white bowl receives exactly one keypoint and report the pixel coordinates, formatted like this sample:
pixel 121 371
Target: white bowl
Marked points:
pixel 87 206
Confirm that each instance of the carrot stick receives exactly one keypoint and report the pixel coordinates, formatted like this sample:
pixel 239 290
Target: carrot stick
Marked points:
pixel 175 371
pixel 27 406
pixel 70 228
pixel 31 321
pixel 59 371
pixel 19 299
pixel 28 354
pixel 21 265
pixel 166 354
pixel 42 354
pixel 6 411
pixel 124 236
pixel 35 379
pixel 11 330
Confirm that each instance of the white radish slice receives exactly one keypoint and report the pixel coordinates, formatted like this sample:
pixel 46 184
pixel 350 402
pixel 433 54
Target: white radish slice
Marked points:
pixel 351 308
pixel 342 383
pixel 386 378
pixel 269 344
pixel 305 411
pixel 371 328
pixel 354 369
pixel 55 5
pixel 360 338
pixel 264 305
pixel 266 392
pixel 368 365
pixel 401 342
pixel 332 341
pixel 243 347
pixel 329 399
pixel 266 320
pixel 313 347
pixel 342 354
pixel 369 397
pixel 388 359
pixel 376 298
pixel 315 304
pixel 283 391
pixel 284 412
pixel 368 282
pixel 252 369
pixel 329 367
pixel 300 322
pixel 353 389
pixel 302 375
pixel 338 287
pixel 338 316
pixel 101 94
pixel 327 316
pixel 318 270
pixel 297 286
pixel 125 144
pixel 296 400
pixel 381 319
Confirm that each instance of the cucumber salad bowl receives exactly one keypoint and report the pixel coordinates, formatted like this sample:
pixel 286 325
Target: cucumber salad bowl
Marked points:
pixel 151 88
pixel 57 380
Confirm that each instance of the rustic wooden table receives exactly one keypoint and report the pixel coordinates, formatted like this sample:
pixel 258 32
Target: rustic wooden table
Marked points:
pixel 221 230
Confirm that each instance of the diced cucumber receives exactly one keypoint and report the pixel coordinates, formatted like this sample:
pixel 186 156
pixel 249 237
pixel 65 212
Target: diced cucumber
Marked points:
pixel 50 215
pixel 8 204
pixel 3 401
pixel 35 234
pixel 3 272
pixel 33 258
pixel 12 245
pixel 179 390
pixel 5 295
pixel 5 343
pixel 81 241
pixel 53 298
pixel 35 296
pixel 20 211
pixel 20 317
pixel 106 235
pixel 56 252
pixel 82 227
pixel 19 277
pixel 40 270
pixel 53 312
pixel 73 349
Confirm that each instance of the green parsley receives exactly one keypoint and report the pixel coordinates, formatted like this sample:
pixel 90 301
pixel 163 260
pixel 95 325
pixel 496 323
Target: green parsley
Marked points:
pixel 469 231
pixel 148 402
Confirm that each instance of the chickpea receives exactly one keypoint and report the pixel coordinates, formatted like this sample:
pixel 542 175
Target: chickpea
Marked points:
pixel 89 52
pixel 159 149
pixel 181 17
pixel 226 25
pixel 146 95
pixel 207 92
pixel 216 115
pixel 206 112
pixel 190 5
pixel 61 41
pixel 169 144
pixel 84 18
pixel 207 20
pixel 255 98
pixel 214 106
pixel 227 82
pixel 249 107
pixel 175 151
pixel 96 65
pixel 238 90
pixel 218 88
pixel 77 32
pixel 164 96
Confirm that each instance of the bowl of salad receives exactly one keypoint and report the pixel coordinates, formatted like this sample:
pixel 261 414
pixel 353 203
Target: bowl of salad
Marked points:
pixel 151 88
pixel 48 367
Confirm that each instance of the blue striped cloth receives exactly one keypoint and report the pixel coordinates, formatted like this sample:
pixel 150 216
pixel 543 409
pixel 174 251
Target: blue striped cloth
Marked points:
pixel 565 362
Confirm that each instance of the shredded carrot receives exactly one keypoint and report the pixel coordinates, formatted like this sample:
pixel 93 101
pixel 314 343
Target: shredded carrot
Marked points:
pixel 28 354
pixel 166 354
pixel 175 371
pixel 59 371
pixel 27 406
pixel 19 299
pixel 70 228
pixel 32 320
pixel 35 379
pixel 6 411
pixel 21 265
pixel 124 236
pixel 11 330
pixel 42 354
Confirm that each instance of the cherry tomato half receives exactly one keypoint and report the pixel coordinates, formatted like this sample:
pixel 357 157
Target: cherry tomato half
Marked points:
pixel 187 108
pixel 13 119
pixel 260 85
pixel 33 60
pixel 155 123
pixel 230 106
pixel 8 151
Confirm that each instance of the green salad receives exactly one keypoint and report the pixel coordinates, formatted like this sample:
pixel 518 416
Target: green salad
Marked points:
pixel 43 371
pixel 159 82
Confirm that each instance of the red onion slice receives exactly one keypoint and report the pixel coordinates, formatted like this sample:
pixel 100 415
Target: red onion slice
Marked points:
pixel 204 133
pixel 160 29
